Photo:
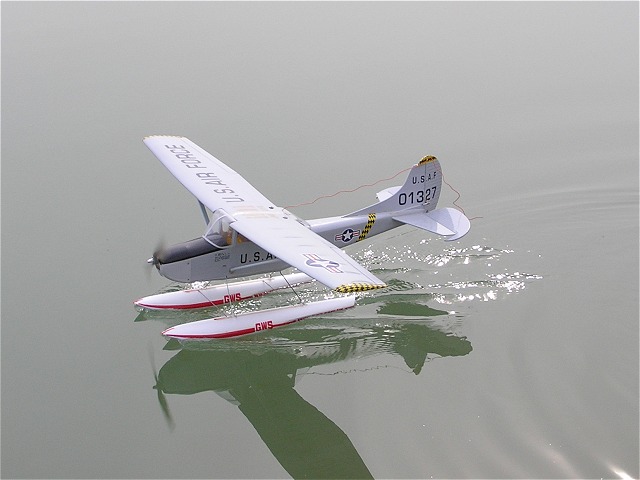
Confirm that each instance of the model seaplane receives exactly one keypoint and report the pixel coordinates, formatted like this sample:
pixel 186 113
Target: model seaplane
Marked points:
pixel 246 235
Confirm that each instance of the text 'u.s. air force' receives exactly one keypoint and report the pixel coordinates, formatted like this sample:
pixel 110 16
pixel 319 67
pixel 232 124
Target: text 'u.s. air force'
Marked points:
pixel 189 160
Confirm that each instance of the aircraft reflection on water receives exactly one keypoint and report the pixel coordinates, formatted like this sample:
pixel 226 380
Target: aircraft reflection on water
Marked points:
pixel 259 375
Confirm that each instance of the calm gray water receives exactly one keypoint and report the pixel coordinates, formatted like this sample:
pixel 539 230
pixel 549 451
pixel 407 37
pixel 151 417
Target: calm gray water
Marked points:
pixel 511 353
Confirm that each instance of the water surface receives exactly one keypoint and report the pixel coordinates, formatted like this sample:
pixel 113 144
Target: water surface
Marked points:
pixel 511 353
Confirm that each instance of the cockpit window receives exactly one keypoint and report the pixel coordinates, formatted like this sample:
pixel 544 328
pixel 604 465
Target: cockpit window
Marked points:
pixel 219 232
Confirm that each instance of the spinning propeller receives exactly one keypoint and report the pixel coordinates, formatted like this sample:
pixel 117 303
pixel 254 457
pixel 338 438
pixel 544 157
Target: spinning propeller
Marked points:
pixel 153 261
pixel 162 400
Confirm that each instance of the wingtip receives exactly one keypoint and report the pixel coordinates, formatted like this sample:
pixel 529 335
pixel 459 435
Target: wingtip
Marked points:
pixel 358 287
pixel 148 137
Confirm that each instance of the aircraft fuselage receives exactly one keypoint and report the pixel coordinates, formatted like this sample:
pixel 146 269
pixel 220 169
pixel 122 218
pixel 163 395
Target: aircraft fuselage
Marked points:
pixel 202 260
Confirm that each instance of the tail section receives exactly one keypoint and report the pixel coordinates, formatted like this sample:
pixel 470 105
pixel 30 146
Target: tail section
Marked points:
pixel 414 203
pixel 421 189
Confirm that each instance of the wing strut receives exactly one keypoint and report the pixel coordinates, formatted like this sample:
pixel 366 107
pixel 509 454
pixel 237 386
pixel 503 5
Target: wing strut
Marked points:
pixel 203 209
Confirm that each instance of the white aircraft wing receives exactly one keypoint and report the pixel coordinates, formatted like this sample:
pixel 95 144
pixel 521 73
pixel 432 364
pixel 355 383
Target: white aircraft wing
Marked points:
pixel 212 182
pixel 217 186
pixel 298 246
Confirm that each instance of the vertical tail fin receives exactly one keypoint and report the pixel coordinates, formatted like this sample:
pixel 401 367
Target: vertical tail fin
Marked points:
pixel 414 203
pixel 421 188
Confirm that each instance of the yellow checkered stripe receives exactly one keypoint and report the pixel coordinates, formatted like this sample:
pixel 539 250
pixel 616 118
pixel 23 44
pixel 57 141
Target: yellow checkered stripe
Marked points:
pixel 368 226
pixel 427 159
pixel 358 287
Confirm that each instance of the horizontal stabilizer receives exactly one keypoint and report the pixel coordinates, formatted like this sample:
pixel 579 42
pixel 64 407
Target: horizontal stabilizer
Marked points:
pixel 387 193
pixel 448 222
